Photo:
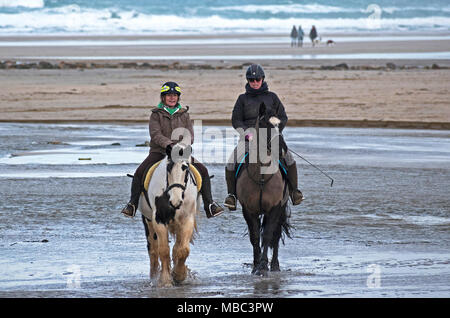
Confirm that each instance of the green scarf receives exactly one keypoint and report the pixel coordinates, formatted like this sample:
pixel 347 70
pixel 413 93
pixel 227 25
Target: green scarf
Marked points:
pixel 171 111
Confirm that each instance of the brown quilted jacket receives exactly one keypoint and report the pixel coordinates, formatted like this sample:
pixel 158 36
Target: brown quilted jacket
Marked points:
pixel 162 124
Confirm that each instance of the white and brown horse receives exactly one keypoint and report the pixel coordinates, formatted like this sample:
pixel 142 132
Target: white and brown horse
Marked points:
pixel 170 207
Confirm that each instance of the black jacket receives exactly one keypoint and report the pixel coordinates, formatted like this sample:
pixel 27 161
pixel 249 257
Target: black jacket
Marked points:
pixel 246 109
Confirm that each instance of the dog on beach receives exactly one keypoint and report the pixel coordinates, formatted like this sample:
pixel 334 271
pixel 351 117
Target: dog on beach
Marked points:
pixel 330 43
pixel 317 40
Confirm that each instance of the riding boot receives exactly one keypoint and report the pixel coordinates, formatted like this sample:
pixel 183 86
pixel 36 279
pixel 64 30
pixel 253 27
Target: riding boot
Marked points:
pixel 230 200
pixel 296 194
pixel 212 209
pixel 130 209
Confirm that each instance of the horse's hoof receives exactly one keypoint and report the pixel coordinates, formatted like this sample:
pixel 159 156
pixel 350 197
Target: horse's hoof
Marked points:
pixel 275 267
pixel 178 280
pixel 262 273
pixel 165 284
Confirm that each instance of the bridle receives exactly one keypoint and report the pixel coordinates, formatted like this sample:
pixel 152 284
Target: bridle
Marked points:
pixel 262 179
pixel 177 185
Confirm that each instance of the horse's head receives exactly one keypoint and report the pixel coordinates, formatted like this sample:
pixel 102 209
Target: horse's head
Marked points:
pixel 178 173
pixel 267 117
pixel 268 120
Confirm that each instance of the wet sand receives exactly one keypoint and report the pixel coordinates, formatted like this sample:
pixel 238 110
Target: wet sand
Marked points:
pixel 364 93
pixel 386 213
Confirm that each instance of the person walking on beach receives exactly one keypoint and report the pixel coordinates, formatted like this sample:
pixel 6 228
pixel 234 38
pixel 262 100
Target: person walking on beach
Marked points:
pixel 164 119
pixel 313 34
pixel 300 36
pixel 244 116
pixel 294 35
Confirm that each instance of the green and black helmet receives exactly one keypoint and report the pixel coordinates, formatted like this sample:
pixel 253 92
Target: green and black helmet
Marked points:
pixel 170 88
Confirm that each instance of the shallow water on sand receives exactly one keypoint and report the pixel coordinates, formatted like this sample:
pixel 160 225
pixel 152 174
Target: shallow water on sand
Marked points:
pixel 382 230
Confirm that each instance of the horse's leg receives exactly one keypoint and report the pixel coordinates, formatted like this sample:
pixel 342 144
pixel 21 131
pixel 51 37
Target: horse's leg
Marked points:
pixel 181 249
pixel 152 247
pixel 271 226
pixel 283 226
pixel 165 280
pixel 274 244
pixel 254 230
pixel 274 264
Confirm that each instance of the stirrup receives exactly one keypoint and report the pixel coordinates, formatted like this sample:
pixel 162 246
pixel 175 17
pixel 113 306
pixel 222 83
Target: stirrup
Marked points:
pixel 229 206
pixel 125 210
pixel 299 200
pixel 210 214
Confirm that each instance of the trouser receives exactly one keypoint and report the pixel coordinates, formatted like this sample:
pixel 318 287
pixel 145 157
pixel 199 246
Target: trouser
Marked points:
pixel 137 185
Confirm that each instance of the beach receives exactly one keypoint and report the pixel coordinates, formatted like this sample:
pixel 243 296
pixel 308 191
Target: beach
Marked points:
pixel 371 111
pixel 117 78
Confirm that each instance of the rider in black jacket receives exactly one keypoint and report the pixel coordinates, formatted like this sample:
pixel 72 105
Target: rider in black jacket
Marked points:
pixel 246 109
pixel 245 113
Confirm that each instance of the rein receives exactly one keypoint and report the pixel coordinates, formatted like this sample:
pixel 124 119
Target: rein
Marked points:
pixel 261 182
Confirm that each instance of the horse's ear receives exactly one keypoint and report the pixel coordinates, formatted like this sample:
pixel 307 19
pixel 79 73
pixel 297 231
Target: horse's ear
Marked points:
pixel 262 109
pixel 188 150
pixel 169 152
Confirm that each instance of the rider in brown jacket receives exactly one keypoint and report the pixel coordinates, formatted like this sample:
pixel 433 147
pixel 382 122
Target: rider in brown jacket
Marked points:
pixel 168 116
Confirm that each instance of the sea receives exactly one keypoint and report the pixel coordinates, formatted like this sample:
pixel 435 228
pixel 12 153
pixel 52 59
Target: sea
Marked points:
pixel 181 17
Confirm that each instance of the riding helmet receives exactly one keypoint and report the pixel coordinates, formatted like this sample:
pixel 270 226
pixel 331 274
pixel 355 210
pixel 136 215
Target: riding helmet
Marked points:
pixel 170 88
pixel 255 71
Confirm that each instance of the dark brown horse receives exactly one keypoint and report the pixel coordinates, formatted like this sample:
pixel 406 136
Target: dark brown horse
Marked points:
pixel 262 191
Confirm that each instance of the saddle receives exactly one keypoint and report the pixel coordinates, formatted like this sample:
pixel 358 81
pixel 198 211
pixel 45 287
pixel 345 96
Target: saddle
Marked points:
pixel 281 164
pixel 194 171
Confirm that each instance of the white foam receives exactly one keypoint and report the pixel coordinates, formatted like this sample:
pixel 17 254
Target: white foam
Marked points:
pixel 104 21
pixel 286 8
pixel 22 3
pixel 318 8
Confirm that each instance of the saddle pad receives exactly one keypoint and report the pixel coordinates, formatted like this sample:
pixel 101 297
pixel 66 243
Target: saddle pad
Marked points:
pixel 194 171
pixel 280 164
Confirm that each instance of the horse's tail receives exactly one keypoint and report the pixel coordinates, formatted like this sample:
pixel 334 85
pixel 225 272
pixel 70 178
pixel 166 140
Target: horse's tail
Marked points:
pixel 284 220
pixel 282 227
pixel 147 232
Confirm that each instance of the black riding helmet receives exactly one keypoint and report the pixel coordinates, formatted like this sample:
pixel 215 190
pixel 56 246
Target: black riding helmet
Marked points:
pixel 255 71
pixel 170 88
